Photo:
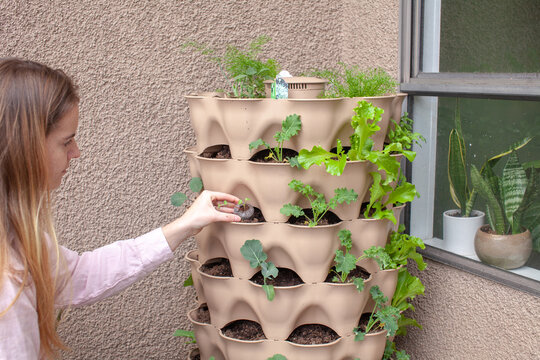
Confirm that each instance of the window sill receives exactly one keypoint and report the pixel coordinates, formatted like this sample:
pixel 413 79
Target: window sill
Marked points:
pixel 524 278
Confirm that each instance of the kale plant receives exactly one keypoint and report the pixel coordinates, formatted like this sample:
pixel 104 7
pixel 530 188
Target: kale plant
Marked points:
pixel 346 262
pixel 289 128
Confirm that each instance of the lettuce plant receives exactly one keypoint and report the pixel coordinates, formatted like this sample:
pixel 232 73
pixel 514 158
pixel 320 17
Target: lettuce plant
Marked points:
pixel 289 128
pixel 318 203
pixel 252 251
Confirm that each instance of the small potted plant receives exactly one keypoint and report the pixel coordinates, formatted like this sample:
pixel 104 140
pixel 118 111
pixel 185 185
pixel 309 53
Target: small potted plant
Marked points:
pixel 512 212
pixel 460 225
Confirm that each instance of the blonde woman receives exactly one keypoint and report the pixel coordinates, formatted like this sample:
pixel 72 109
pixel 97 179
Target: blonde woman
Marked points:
pixel 38 123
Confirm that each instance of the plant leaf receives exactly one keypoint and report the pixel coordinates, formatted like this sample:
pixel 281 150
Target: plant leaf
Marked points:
pixel 196 184
pixel 290 209
pixel 178 199
pixel 289 128
pixel 513 186
pixel 188 281
pixel 407 288
pixel 190 335
pixel 270 292
pixel 259 142
pixel 457 171
pixel 495 217
pixel 277 357
pixel 344 195
pixel 252 251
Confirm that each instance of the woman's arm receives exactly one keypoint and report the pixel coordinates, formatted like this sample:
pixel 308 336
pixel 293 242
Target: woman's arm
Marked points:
pixel 110 269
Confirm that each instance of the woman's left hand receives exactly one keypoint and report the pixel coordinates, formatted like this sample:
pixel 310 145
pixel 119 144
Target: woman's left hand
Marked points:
pixel 208 208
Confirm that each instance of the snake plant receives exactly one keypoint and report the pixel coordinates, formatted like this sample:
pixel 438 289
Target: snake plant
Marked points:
pixel 462 192
pixel 512 200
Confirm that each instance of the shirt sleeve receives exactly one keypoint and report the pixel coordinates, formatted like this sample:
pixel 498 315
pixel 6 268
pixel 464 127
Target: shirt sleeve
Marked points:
pixel 106 271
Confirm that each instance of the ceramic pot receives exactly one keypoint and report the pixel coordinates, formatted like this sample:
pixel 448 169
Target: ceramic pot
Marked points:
pixel 238 122
pixel 459 232
pixel 504 251
pixel 266 184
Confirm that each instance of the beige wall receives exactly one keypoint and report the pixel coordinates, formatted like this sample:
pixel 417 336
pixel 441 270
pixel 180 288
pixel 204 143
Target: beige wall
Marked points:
pixel 126 58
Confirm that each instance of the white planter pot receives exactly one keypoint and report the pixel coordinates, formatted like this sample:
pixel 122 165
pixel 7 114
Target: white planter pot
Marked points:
pixel 459 232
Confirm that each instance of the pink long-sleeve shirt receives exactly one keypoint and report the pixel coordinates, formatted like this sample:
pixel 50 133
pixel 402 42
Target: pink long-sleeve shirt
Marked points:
pixel 95 275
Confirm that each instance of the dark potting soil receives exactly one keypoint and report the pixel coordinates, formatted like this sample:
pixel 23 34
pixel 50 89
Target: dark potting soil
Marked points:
pixel 362 324
pixel 359 272
pixel 256 218
pixel 328 219
pixel 244 330
pixel 262 156
pixel 312 334
pixel 286 277
pixel 202 314
pixel 217 267
pixel 217 152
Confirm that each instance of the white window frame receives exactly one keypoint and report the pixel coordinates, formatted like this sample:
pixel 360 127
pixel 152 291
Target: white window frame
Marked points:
pixel 420 77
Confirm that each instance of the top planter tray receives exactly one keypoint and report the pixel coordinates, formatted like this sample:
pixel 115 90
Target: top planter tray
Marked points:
pixel 237 122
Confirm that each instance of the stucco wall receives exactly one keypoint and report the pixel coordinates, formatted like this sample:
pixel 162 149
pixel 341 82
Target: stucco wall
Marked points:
pixel 126 58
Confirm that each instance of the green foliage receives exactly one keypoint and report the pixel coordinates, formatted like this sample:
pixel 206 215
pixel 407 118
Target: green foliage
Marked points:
pixel 382 317
pixel 179 198
pixel 510 198
pixel 403 134
pixel 346 262
pixel 188 281
pixel 245 71
pixel 402 247
pixel 318 203
pixel 407 288
pixel 190 335
pixel 277 357
pixel 463 194
pixel 350 81
pixel 289 128
pixel 390 350
pixel 252 251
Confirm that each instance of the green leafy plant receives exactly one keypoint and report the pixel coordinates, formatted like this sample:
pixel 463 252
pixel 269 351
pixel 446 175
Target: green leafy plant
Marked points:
pixel 402 133
pixel 461 191
pixel 179 198
pixel 252 251
pixel 390 352
pixel 189 335
pixel 319 205
pixel 510 197
pixel 346 262
pixel 382 317
pixel 245 71
pixel 289 128
pixel 351 81
pixel 277 357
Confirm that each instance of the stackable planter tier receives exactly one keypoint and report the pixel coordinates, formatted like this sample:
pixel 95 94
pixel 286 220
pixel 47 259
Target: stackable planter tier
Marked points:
pixel 308 251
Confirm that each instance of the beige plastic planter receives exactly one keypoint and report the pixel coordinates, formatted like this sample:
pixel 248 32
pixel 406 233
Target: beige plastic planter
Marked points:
pixel 345 348
pixel 307 251
pixel 266 185
pixel 208 339
pixel 338 306
pixel 237 122
pixel 193 258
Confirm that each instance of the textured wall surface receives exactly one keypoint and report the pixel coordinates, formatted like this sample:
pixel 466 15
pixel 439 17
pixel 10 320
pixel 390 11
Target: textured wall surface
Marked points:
pixel 126 58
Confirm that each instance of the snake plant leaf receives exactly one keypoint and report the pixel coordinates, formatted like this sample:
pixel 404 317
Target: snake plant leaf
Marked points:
pixel 513 186
pixel 457 170
pixel 495 213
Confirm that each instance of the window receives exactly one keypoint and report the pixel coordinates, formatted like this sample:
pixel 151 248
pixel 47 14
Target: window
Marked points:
pixel 485 56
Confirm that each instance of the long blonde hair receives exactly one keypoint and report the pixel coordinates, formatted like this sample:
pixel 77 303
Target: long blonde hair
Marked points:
pixel 33 98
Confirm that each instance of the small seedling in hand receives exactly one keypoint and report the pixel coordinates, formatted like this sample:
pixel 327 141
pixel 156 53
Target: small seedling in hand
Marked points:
pixel 252 251
pixel 318 203
pixel 382 317
pixel 346 262
pixel 179 198
pixel 244 210
pixel 289 128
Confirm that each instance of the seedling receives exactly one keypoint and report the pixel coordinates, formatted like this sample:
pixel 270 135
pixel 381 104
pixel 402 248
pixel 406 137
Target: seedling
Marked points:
pixel 242 68
pixel 252 251
pixel 242 209
pixel 179 198
pixel 318 203
pixel 382 317
pixel 289 128
pixel 346 262
pixel 189 335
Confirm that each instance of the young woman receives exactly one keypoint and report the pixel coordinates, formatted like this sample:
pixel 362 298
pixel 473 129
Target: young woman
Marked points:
pixel 38 122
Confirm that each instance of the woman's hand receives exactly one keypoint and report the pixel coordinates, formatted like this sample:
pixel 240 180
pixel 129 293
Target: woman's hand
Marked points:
pixel 206 209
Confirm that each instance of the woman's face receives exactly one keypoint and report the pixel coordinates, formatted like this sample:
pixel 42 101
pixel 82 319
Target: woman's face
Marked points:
pixel 61 146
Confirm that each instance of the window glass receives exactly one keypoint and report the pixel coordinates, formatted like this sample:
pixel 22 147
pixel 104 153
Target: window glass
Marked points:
pixel 489 36
pixel 489 127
